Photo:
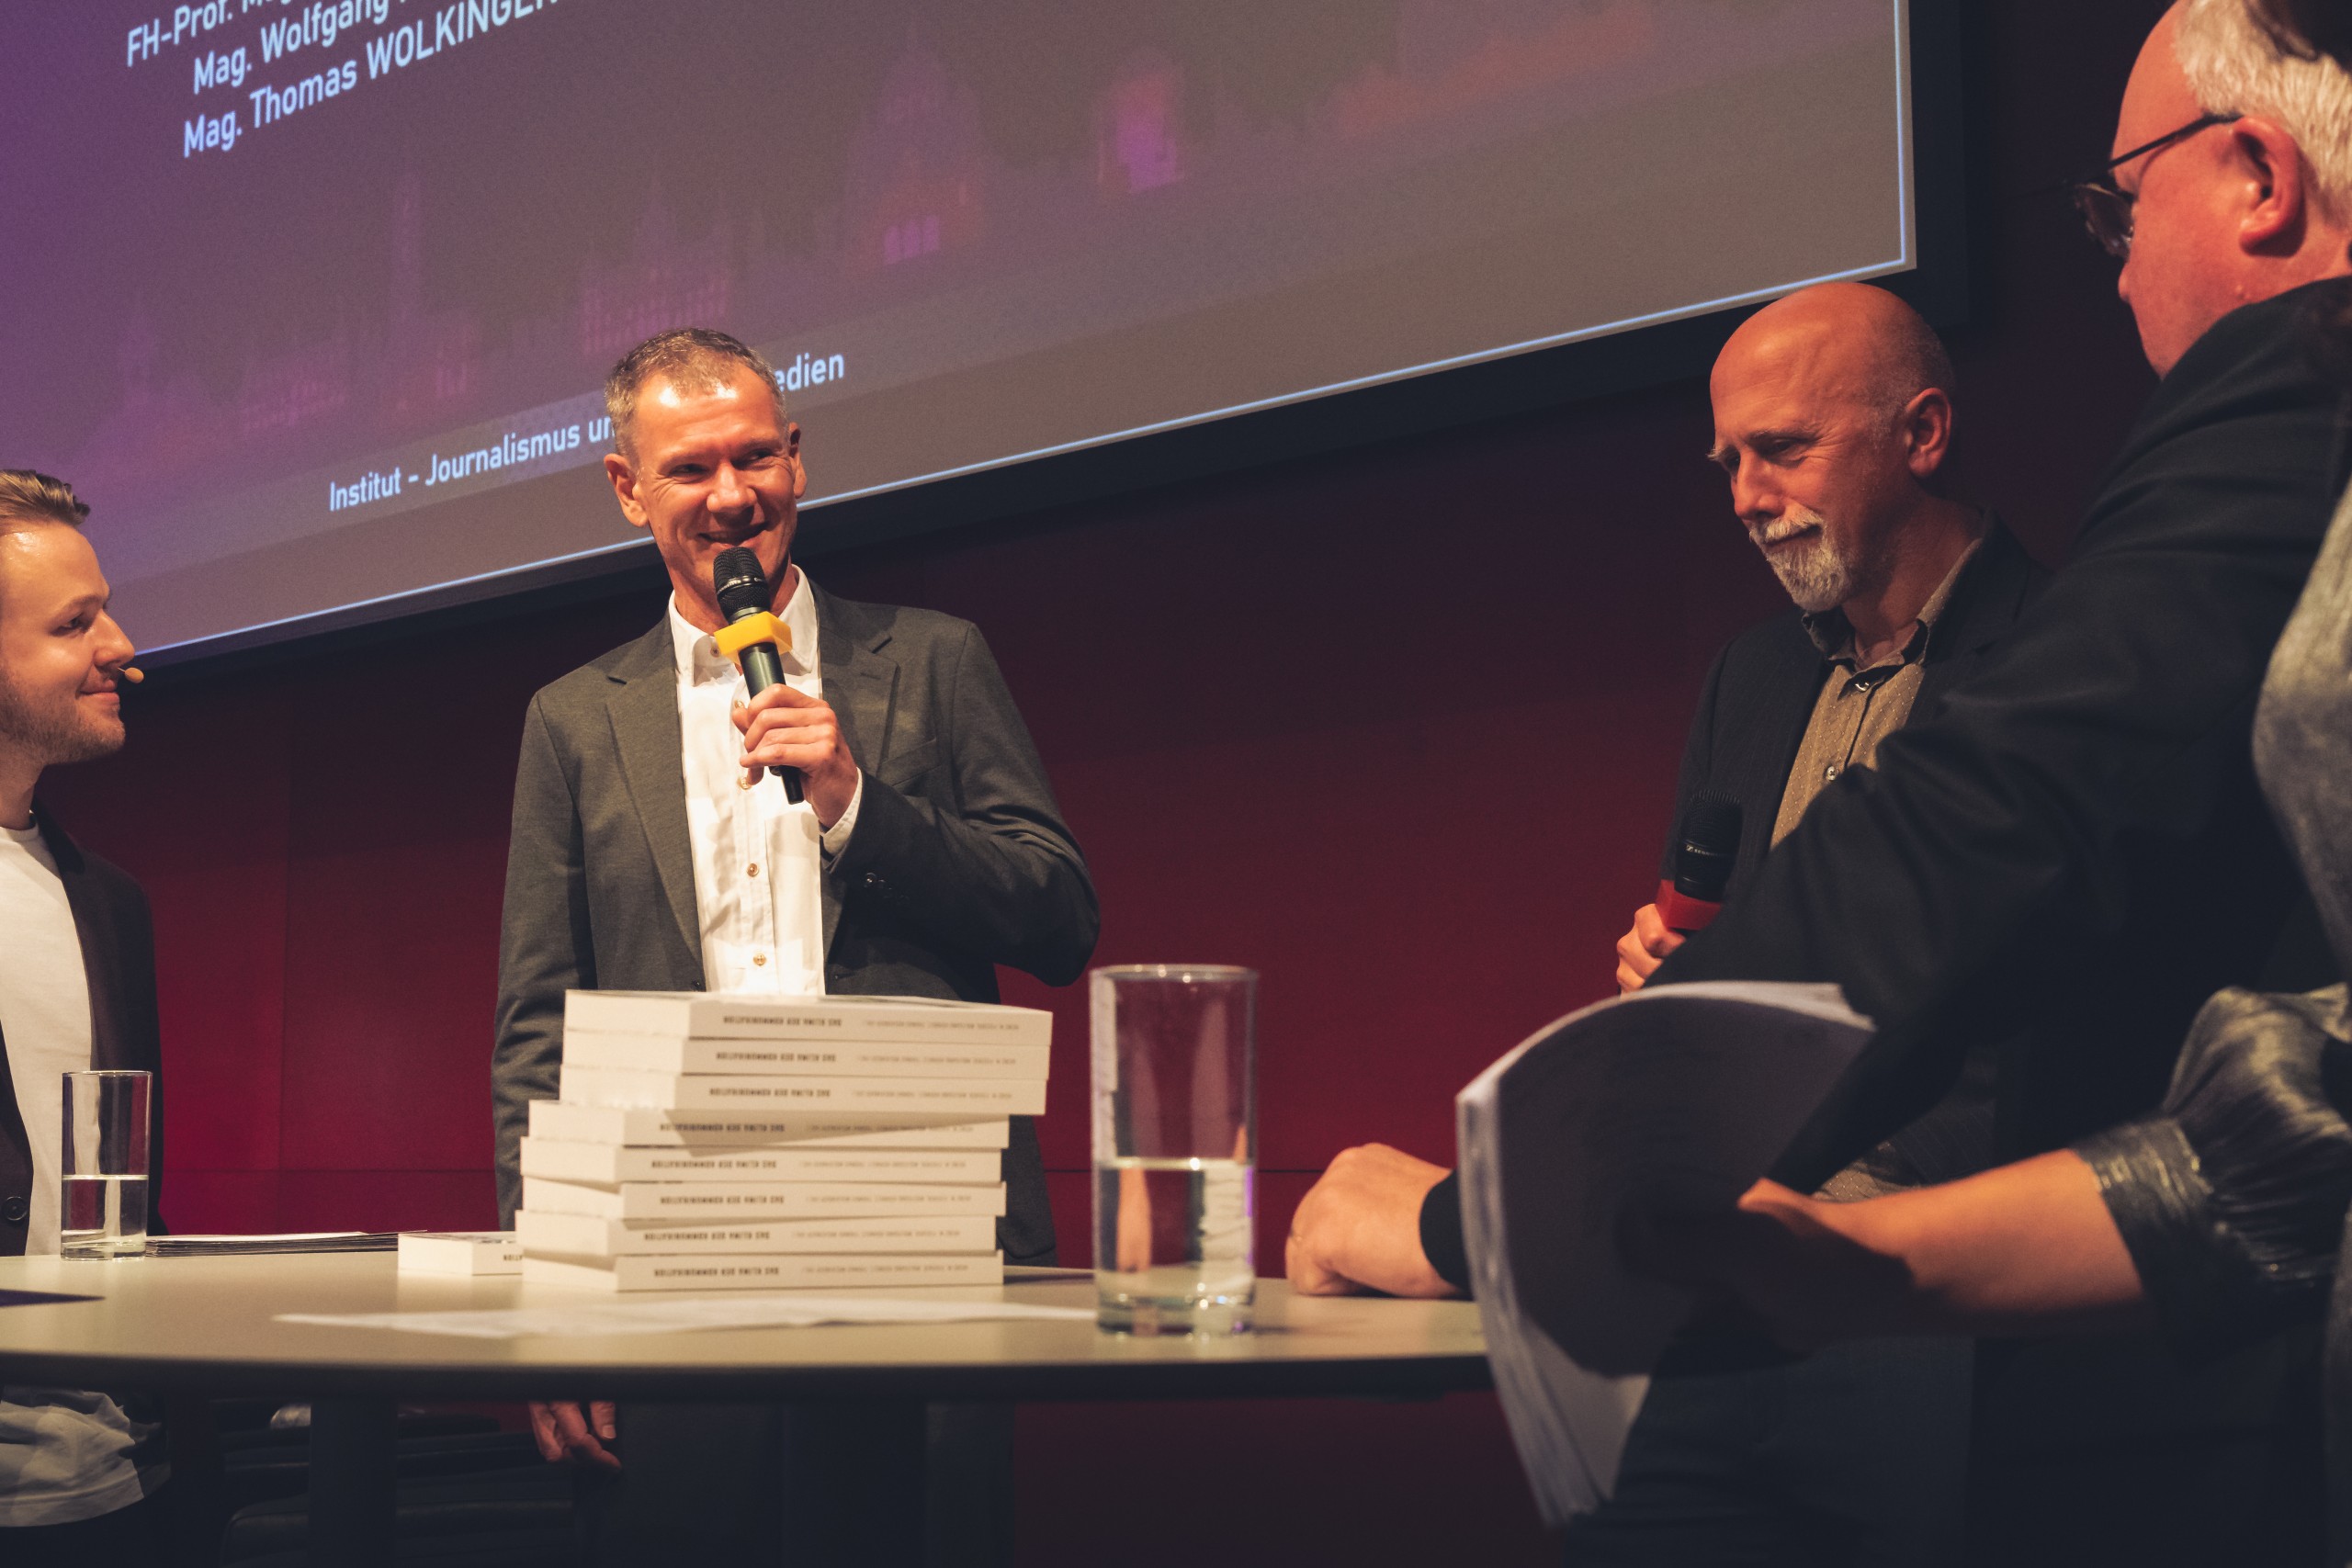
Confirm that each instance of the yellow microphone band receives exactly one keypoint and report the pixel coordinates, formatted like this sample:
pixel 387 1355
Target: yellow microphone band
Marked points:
pixel 737 636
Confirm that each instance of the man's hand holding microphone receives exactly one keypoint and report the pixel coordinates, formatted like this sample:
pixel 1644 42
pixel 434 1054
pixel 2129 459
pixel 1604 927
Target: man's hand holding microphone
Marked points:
pixel 785 729
pixel 1705 850
pixel 786 732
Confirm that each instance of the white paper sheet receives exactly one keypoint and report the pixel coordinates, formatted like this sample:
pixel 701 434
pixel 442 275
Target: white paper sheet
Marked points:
pixel 682 1317
pixel 1680 1096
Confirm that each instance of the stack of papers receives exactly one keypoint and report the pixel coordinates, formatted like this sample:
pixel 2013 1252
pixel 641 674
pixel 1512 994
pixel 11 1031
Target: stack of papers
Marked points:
pixel 292 1241
pixel 705 1142
pixel 1675 1098
pixel 680 1316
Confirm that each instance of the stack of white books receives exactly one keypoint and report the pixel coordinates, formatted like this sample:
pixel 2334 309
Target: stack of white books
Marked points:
pixel 705 1142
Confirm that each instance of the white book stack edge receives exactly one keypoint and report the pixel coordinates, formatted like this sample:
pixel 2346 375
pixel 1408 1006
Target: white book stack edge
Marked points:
pixel 762 1272
pixel 700 1203
pixel 973 1098
pixel 893 1019
pixel 731 1143
pixel 469 1253
pixel 805 1058
pixel 628 1127
pixel 581 1236
pixel 609 1165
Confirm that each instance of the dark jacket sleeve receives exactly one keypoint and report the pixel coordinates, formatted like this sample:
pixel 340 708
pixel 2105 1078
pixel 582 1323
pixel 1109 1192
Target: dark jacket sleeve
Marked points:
pixel 1698 759
pixel 999 876
pixel 2062 779
pixel 2231 1202
pixel 1443 1241
pixel 544 947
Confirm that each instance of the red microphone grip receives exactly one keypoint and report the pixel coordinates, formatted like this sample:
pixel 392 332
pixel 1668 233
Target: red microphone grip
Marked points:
pixel 1683 913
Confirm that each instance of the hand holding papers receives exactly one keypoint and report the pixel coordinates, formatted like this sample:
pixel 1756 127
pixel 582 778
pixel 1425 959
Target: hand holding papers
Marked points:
pixel 1675 1099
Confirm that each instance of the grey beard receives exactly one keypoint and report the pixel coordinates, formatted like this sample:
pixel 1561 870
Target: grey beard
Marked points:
pixel 1815 575
pixel 53 734
pixel 1818 575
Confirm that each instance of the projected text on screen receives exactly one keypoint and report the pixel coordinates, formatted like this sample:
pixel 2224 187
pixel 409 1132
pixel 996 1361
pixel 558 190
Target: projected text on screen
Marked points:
pixel 329 287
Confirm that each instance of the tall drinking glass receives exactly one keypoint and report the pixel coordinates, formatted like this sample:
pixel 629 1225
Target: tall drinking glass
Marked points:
pixel 103 1210
pixel 1175 1147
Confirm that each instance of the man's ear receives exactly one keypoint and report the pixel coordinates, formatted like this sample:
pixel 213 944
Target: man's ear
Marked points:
pixel 2265 167
pixel 617 469
pixel 1926 423
pixel 792 453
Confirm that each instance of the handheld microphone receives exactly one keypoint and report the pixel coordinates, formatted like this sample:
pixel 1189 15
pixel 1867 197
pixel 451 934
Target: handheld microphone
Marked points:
pixel 753 636
pixel 1703 852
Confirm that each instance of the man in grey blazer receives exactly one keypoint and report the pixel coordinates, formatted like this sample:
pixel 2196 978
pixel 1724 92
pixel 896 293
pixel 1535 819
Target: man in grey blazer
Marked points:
pixel 651 851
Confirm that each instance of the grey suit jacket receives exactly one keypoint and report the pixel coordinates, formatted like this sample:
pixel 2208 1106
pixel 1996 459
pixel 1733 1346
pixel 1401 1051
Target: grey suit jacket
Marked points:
pixel 959 861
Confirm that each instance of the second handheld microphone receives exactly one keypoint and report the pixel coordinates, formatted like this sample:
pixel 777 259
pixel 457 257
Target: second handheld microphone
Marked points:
pixel 753 636
pixel 1705 850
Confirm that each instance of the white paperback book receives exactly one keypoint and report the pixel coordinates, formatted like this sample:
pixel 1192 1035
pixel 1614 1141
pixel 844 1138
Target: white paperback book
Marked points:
pixel 753 1272
pixel 702 1201
pixel 901 1019
pixel 609 1165
pixel 659 1127
pixel 582 1235
pixel 806 1058
pixel 1674 1098
pixel 460 1252
pixel 729 1091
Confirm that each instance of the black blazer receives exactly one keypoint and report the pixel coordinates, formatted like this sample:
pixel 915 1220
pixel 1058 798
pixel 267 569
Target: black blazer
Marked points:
pixel 960 861
pixel 1761 690
pixel 2070 853
pixel 118 955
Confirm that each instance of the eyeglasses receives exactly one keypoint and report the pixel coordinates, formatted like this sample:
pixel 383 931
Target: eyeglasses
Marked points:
pixel 2106 207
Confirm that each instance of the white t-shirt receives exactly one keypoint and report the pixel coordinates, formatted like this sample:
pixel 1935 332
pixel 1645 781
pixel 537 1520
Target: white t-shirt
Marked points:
pixel 44 1010
pixel 65 1454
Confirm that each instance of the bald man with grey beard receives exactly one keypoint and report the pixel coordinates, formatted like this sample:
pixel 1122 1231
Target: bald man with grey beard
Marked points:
pixel 1834 424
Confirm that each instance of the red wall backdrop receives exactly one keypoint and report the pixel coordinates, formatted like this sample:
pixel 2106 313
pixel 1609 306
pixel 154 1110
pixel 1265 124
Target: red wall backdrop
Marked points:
pixel 1398 727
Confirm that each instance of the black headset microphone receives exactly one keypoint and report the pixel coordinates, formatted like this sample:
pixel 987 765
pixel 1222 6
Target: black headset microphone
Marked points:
pixel 752 636
pixel 1704 848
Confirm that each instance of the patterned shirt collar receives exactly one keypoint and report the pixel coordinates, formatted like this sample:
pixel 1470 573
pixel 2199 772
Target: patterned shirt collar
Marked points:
pixel 1833 635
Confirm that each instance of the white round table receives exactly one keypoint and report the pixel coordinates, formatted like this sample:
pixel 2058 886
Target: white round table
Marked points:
pixel 207 1325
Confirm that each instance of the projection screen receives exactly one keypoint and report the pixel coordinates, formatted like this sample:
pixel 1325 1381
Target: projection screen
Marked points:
pixel 311 298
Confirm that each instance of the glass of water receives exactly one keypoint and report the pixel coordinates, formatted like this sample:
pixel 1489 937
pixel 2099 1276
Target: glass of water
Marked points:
pixel 1175 1147
pixel 103 1210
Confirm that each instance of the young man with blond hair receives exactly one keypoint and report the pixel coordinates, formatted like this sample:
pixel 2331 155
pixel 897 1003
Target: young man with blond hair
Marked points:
pixel 79 1469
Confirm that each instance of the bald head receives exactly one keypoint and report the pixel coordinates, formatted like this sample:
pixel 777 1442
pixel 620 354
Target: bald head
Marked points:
pixel 1847 341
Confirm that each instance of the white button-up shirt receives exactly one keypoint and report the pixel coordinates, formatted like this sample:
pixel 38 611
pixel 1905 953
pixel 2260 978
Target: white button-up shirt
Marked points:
pixel 759 860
